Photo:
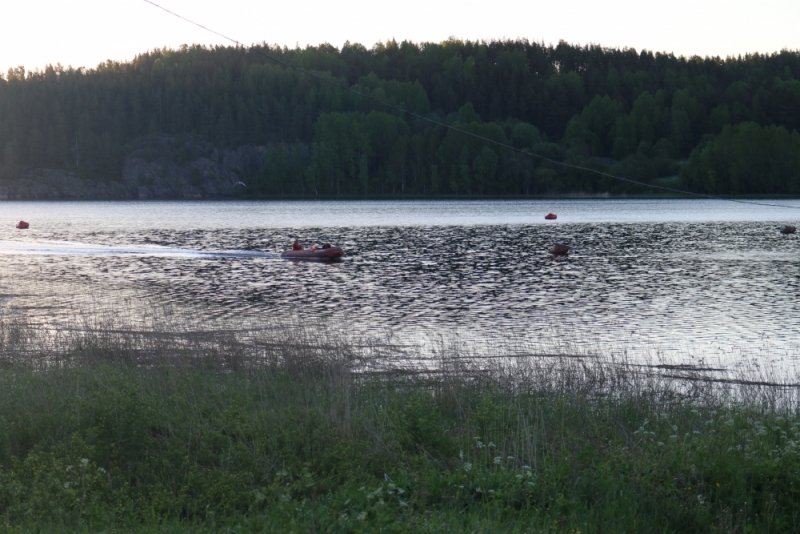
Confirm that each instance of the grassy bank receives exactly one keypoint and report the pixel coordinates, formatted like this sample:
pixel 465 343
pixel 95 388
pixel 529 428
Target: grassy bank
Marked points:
pixel 122 431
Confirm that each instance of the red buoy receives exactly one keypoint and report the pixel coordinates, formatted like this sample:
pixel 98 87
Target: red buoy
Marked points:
pixel 22 225
pixel 550 216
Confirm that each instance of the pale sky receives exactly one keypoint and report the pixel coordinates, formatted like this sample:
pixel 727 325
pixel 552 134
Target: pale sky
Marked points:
pixel 84 33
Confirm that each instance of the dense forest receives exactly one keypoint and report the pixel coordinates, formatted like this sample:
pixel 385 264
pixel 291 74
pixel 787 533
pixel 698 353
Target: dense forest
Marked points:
pixel 468 119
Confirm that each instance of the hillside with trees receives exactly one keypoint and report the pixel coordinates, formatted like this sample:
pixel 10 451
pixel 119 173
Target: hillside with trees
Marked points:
pixel 402 120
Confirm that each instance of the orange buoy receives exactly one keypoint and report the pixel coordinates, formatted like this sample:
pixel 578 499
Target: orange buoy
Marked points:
pixel 22 225
pixel 550 216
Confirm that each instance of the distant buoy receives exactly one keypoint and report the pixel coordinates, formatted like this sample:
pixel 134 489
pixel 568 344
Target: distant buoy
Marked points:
pixel 559 249
pixel 22 225
pixel 551 216
pixel 788 229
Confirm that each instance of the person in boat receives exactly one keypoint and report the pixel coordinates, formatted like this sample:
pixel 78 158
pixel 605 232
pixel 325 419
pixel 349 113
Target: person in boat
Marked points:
pixel 296 245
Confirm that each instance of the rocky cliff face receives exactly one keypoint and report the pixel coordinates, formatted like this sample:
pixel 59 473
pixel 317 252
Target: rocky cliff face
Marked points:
pixel 58 184
pixel 158 168
pixel 169 167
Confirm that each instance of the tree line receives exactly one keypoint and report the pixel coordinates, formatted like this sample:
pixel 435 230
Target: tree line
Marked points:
pixel 456 118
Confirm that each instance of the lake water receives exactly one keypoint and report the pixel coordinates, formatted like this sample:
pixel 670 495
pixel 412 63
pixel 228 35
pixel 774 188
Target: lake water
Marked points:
pixel 682 280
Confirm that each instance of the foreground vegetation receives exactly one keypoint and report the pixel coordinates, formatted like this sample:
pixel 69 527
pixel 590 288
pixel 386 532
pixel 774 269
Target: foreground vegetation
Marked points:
pixel 120 430
pixel 357 122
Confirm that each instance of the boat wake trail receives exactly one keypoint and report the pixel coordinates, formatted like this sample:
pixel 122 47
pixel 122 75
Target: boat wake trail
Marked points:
pixel 68 248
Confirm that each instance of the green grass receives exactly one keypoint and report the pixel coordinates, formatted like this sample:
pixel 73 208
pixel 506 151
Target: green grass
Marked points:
pixel 111 433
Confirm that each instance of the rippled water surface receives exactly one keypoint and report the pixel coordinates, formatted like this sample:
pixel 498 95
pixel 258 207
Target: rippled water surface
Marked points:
pixel 682 279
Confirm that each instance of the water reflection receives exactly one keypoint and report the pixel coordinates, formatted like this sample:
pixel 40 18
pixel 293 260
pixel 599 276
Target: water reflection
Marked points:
pixel 677 289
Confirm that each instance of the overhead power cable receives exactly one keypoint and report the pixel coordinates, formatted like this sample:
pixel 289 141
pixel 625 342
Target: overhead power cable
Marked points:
pixel 488 140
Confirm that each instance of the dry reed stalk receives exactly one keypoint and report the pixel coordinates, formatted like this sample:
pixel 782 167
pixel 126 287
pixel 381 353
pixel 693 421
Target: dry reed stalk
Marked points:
pixel 310 352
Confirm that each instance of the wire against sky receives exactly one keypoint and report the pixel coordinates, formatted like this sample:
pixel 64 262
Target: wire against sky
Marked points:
pixel 201 26
pixel 488 140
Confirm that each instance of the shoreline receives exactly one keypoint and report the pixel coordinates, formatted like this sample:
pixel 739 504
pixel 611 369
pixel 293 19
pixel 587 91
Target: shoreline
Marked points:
pixel 189 433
